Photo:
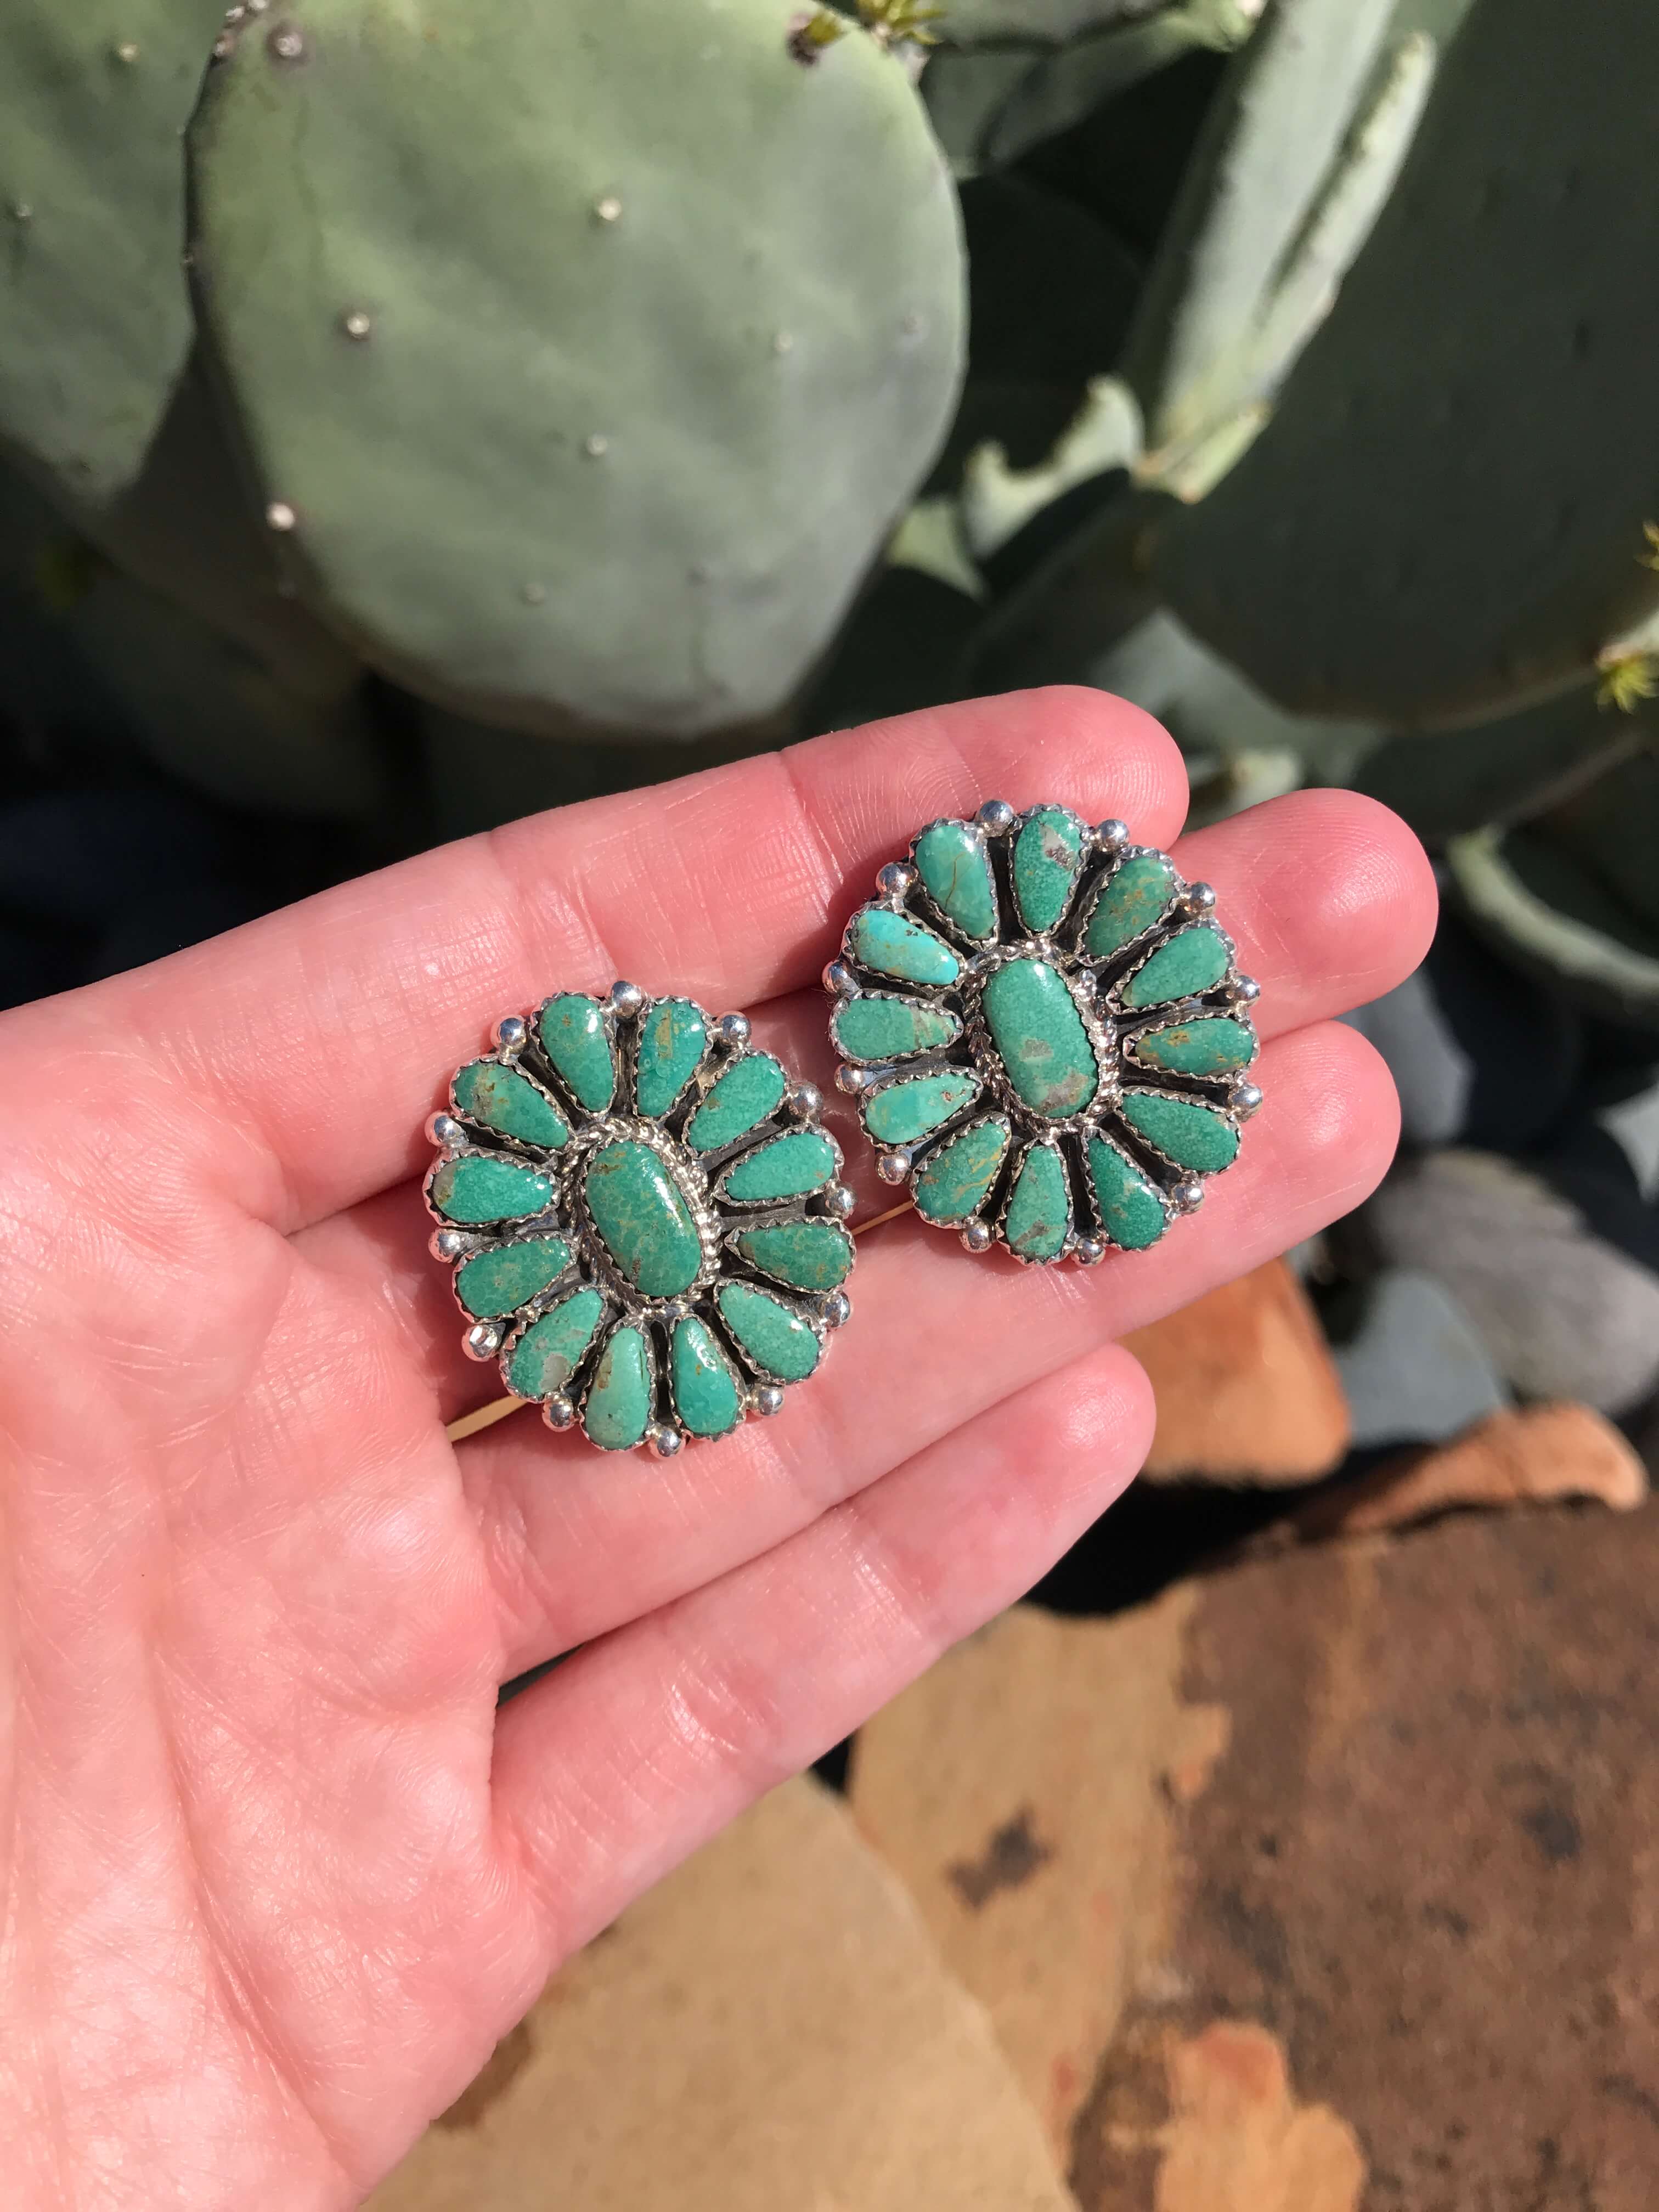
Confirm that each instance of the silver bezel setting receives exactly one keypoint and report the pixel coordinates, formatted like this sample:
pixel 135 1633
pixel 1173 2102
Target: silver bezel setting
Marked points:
pixel 1097 984
pixel 697 1175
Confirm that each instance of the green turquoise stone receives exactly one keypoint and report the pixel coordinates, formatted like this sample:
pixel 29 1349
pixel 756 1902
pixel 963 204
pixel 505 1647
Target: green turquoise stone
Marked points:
pixel 1040 1038
pixel 706 1397
pixel 1211 1046
pixel 955 1180
pixel 1039 1211
pixel 491 1284
pixel 618 1409
pixel 879 1028
pixel 554 1347
pixel 1191 961
pixel 1130 900
pixel 1132 1211
pixel 479 1188
pixel 808 1255
pixel 893 944
pixel 788 1167
pixel 774 1335
pixel 955 873
pixel 642 1219
pixel 1191 1135
pixel 749 1090
pixel 1048 853
pixel 673 1040
pixel 575 1039
pixel 502 1098
pixel 904 1111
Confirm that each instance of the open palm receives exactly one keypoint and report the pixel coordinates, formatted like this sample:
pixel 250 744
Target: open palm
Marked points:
pixel 277 1873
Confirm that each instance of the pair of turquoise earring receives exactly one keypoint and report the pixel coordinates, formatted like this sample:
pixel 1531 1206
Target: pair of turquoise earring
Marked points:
pixel 1048 1038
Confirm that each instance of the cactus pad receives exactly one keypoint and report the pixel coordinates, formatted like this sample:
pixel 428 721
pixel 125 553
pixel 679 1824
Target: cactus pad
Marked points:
pixel 584 354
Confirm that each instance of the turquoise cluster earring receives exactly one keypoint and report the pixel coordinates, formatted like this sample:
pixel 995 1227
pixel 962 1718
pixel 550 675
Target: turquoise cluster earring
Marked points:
pixel 1046 1032
pixel 645 1218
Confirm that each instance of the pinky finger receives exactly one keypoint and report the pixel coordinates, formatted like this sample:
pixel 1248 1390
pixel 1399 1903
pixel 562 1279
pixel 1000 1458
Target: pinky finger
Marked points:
pixel 639 1747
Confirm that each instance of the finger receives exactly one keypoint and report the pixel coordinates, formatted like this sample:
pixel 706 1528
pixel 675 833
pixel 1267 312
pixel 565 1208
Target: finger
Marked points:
pixel 577 1543
pixel 327 1030
pixel 635 1750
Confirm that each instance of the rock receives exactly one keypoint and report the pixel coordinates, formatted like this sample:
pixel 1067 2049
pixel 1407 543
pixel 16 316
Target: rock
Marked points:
pixel 1246 1388
pixel 770 2027
pixel 1537 1456
pixel 1415 1369
pixel 1562 1313
pixel 1390 1940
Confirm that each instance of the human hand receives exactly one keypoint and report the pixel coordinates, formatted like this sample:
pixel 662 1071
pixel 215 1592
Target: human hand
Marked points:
pixel 276 1874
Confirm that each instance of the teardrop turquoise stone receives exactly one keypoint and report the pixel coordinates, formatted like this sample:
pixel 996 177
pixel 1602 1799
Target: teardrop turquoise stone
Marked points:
pixel 893 944
pixel 774 1335
pixel 1039 1214
pixel 747 1092
pixel 1040 1038
pixel 642 1219
pixel 575 1037
pixel 491 1284
pixel 705 1386
pixel 789 1167
pixel 1191 961
pixel 877 1028
pixel 957 1178
pixel 1212 1046
pixel 554 1346
pixel 955 873
pixel 1130 900
pixel 672 1039
pixel 902 1112
pixel 808 1255
pixel 505 1099
pixel 618 1409
pixel 1191 1135
pixel 1132 1213
pixel 479 1188
pixel 1048 854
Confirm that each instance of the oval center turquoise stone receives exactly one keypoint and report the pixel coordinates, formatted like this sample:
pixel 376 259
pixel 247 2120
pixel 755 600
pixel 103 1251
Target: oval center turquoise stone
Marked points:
pixel 641 1216
pixel 1040 1038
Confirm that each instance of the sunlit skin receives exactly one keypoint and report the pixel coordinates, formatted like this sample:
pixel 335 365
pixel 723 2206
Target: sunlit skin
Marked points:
pixel 276 1876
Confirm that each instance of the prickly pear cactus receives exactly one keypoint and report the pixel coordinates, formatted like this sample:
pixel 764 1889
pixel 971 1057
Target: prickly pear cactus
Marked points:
pixel 584 352
pixel 95 321
pixel 1444 515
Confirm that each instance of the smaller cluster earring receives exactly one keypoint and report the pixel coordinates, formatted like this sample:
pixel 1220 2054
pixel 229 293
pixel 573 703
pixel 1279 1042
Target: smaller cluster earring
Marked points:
pixel 1046 1032
pixel 645 1217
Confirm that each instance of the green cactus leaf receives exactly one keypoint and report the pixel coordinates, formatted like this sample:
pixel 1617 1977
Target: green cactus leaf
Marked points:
pixel 589 352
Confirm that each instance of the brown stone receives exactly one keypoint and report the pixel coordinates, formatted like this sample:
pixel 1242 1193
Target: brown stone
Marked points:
pixel 1247 1390
pixel 769 2030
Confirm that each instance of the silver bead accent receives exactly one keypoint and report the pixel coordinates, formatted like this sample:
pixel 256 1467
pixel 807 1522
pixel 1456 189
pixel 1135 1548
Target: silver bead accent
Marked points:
pixel 839 980
pixel 676 1310
pixel 853 1080
pixel 482 1341
pixel 976 1236
pixel 452 1244
pixel 1089 1251
pixel 279 515
pixel 768 1399
pixel 733 1028
pixel 996 816
pixel 512 1033
pixel 805 1099
pixel 839 1202
pixel 558 1412
pixel 1085 982
pixel 1111 833
pixel 836 1311
pixel 626 999
pixel 444 1129
pixel 1244 990
pixel 1189 1196
pixel 895 879
pixel 1246 1100
pixel 664 1439
pixel 1200 898
pixel 893 1167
